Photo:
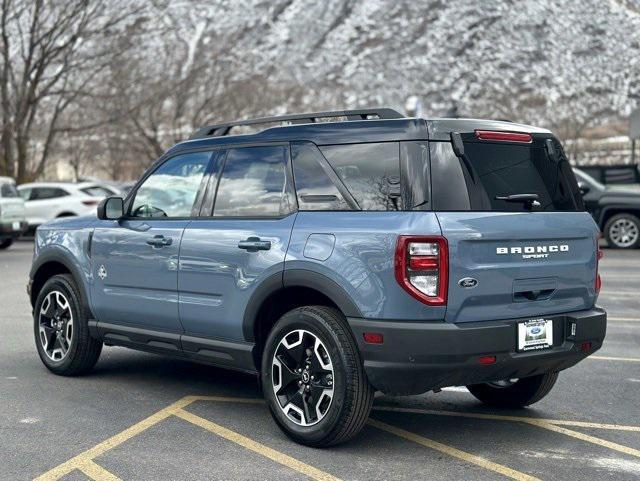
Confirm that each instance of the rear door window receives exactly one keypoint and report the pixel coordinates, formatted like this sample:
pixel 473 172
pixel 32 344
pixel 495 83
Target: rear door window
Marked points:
pixel 371 173
pixel 315 189
pixel 44 193
pixel 254 183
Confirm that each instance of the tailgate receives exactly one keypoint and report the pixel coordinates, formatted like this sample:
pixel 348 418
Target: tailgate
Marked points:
pixel 524 263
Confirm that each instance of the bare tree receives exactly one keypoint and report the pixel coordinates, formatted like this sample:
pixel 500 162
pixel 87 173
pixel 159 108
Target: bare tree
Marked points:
pixel 51 54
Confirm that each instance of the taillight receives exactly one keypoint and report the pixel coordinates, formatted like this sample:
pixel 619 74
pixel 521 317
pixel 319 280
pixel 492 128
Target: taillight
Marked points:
pixel 421 267
pixel 503 136
pixel 90 202
pixel 599 255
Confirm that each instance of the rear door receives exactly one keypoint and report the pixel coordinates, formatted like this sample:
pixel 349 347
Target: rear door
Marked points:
pixel 237 245
pixel 510 259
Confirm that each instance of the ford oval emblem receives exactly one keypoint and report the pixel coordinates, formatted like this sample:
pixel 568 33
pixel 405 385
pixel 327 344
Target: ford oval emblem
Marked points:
pixel 536 330
pixel 468 282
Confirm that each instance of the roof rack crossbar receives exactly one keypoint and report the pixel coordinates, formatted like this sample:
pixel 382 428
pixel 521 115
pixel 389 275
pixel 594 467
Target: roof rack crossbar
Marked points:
pixel 218 130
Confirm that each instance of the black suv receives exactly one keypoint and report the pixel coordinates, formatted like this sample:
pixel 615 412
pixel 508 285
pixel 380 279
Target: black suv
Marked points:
pixel 615 208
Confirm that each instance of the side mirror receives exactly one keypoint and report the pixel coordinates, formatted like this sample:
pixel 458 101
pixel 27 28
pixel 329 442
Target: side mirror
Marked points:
pixel 583 187
pixel 111 208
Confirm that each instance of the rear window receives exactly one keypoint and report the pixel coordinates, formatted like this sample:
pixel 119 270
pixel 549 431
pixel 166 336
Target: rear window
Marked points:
pixel 371 173
pixel 8 190
pixel 502 169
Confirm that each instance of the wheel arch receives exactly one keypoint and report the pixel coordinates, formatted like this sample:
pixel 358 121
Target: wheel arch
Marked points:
pixel 282 292
pixel 49 264
pixel 610 211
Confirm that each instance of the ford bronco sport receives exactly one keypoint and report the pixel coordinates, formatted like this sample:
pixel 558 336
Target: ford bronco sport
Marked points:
pixel 333 259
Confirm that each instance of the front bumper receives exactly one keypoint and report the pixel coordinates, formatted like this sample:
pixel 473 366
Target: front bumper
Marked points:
pixel 12 228
pixel 417 357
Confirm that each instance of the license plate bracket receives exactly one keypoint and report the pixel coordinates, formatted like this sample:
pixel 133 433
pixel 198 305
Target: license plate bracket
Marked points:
pixel 535 334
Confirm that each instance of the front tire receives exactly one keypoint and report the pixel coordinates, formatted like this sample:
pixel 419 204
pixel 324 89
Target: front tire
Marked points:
pixel 60 328
pixel 5 244
pixel 313 378
pixel 622 231
pixel 518 394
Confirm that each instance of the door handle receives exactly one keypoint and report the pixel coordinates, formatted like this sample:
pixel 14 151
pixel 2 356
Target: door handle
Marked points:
pixel 254 244
pixel 159 241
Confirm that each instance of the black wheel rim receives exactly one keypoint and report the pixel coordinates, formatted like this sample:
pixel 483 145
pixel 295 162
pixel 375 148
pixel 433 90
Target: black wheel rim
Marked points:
pixel 302 377
pixel 55 326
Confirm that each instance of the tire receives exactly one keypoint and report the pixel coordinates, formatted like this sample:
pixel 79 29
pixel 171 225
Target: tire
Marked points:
pixel 334 420
pixel 521 393
pixel 82 351
pixel 5 244
pixel 622 231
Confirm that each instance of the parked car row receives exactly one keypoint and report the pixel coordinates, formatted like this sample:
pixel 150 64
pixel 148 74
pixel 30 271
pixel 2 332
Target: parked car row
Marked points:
pixel 23 208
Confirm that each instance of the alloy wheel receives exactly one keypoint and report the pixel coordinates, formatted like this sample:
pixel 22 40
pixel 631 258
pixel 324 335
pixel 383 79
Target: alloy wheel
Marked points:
pixel 624 232
pixel 55 326
pixel 302 377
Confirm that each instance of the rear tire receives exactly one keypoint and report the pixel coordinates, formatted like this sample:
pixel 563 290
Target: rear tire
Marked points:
pixel 60 328
pixel 521 393
pixel 622 231
pixel 5 244
pixel 332 406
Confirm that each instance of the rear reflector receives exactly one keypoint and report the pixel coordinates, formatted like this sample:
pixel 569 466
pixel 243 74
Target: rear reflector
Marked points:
pixel 503 136
pixel 487 360
pixel 585 347
pixel 373 338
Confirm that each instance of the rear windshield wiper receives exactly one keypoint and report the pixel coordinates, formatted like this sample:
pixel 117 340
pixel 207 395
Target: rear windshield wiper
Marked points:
pixel 529 200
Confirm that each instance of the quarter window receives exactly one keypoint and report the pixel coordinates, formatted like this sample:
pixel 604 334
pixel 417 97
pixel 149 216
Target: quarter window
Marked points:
pixel 254 183
pixel 371 172
pixel 172 189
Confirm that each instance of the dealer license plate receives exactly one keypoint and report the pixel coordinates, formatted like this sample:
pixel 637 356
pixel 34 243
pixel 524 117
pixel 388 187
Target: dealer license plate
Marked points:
pixel 15 226
pixel 535 334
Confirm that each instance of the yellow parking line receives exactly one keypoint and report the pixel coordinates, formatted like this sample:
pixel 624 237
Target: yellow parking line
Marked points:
pixel 587 438
pixel 451 451
pixel 97 472
pixel 256 447
pixel 609 358
pixel 497 417
pixel 77 462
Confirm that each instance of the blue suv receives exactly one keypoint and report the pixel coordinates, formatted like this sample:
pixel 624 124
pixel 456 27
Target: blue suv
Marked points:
pixel 335 254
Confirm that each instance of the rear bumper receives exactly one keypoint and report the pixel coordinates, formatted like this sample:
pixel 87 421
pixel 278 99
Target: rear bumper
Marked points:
pixel 12 228
pixel 416 357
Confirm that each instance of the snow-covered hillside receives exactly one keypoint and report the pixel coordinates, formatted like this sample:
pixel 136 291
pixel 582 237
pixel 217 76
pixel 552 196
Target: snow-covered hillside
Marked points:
pixel 536 61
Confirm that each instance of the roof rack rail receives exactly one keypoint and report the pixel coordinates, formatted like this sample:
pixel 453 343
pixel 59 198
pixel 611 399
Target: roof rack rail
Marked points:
pixel 219 130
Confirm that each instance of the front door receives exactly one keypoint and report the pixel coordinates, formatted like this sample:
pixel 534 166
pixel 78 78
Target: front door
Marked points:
pixel 135 260
pixel 239 245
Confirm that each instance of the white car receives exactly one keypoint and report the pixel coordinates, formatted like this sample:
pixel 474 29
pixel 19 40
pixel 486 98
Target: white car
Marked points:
pixel 50 200
pixel 12 212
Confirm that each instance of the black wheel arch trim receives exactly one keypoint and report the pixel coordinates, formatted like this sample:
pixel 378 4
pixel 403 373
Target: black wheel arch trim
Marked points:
pixel 296 278
pixel 620 209
pixel 61 257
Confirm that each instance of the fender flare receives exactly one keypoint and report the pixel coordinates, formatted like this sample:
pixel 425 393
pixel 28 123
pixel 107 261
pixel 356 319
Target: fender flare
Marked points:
pixel 296 278
pixel 61 257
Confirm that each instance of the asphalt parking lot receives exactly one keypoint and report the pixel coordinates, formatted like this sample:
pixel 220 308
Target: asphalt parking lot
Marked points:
pixel 145 417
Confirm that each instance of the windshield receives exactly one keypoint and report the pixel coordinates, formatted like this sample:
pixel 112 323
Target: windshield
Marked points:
pixel 8 190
